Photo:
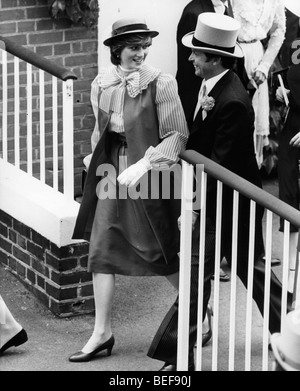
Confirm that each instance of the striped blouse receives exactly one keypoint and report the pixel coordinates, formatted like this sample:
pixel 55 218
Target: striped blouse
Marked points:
pixel 173 130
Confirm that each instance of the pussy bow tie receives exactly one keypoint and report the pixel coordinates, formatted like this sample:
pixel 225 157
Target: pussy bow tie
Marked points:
pixel 131 82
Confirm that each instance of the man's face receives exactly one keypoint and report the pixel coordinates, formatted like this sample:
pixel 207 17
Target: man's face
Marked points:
pixel 203 66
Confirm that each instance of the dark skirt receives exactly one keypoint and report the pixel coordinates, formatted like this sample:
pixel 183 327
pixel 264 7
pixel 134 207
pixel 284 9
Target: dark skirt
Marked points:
pixel 122 239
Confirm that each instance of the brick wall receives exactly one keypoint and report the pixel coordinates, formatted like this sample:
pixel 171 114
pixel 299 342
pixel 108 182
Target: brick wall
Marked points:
pixel 28 23
pixel 57 276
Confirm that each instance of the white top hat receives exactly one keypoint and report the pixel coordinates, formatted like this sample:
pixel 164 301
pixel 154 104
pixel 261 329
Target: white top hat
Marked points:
pixel 215 33
pixel 293 6
pixel 286 346
pixel 129 26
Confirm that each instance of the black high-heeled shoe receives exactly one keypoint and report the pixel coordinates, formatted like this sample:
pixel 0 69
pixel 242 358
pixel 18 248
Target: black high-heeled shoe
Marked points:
pixel 171 367
pixel 84 357
pixel 17 340
pixel 207 336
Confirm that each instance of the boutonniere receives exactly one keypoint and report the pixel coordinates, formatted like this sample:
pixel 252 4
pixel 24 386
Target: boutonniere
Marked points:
pixel 207 103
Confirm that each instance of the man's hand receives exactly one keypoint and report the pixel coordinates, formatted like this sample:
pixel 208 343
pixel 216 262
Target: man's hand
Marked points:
pixel 194 220
pixel 280 95
pixel 295 141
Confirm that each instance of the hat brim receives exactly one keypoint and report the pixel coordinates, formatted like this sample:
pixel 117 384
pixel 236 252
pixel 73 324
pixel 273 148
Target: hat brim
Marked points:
pixel 275 343
pixel 293 7
pixel 187 41
pixel 152 33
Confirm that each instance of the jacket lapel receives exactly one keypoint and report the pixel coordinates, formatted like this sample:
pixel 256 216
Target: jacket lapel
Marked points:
pixel 218 88
pixel 214 93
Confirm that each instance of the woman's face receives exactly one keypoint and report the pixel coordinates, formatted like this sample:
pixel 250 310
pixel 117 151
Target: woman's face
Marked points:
pixel 134 56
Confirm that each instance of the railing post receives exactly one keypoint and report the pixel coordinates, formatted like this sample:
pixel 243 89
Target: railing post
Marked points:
pixel 17 111
pixel 250 286
pixel 185 266
pixel 217 277
pixel 202 247
pixel 266 316
pixel 68 139
pixel 4 105
pixel 232 327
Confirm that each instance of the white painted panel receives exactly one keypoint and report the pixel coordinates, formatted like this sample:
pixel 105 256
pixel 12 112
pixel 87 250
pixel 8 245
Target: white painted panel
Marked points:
pixel 160 15
pixel 37 205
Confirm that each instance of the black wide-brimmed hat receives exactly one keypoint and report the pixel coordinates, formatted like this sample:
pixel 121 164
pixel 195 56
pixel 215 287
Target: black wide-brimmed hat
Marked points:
pixel 129 26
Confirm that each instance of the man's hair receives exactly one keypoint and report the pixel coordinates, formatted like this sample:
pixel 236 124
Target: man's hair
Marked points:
pixel 119 43
pixel 227 62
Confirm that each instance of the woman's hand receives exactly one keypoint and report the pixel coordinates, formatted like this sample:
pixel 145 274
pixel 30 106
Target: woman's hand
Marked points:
pixel 259 77
pixel 194 219
pixel 295 141
pixel 133 173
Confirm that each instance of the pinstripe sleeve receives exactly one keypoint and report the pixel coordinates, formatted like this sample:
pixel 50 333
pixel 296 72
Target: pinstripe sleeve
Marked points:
pixel 173 128
pixel 94 100
pixel 95 135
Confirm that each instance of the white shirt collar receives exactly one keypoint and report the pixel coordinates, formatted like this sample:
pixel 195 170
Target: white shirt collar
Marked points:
pixel 219 6
pixel 210 83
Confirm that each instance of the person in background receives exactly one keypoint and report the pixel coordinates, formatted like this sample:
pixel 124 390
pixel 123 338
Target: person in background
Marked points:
pixel 289 151
pixel 11 332
pixel 286 344
pixel 292 32
pixel 139 133
pixel 263 26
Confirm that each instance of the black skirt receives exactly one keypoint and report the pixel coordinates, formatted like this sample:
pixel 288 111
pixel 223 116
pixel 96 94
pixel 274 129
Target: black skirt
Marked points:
pixel 122 239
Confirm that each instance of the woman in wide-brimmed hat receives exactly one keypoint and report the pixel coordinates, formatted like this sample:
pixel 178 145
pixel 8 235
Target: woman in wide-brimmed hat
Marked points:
pixel 140 131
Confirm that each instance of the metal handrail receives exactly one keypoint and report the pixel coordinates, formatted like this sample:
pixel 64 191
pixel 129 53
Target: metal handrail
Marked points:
pixel 244 187
pixel 35 59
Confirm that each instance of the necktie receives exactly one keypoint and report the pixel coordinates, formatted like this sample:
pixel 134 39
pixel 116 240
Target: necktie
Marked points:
pixel 201 95
pixel 228 9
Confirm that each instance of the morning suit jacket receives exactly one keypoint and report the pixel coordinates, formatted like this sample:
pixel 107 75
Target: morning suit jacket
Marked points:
pixel 188 82
pixel 226 137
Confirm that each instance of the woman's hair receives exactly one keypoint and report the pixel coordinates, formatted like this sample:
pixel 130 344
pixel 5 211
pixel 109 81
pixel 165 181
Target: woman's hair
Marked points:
pixel 119 43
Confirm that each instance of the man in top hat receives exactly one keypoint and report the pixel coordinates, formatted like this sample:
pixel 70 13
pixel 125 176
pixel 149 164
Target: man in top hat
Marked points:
pixel 286 345
pixel 222 130
pixel 188 82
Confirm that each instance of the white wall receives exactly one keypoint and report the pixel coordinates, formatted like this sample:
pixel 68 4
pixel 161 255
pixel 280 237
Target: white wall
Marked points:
pixel 160 15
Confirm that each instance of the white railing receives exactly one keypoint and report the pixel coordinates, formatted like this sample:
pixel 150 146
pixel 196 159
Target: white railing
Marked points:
pixel 37 116
pixel 273 207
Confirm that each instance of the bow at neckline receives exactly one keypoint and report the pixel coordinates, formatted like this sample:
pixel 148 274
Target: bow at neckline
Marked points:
pixel 131 82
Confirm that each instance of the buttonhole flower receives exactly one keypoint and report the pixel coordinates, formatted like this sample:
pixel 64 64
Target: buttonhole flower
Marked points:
pixel 207 103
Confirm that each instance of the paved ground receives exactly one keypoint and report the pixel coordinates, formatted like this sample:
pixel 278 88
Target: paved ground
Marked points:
pixel 140 304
